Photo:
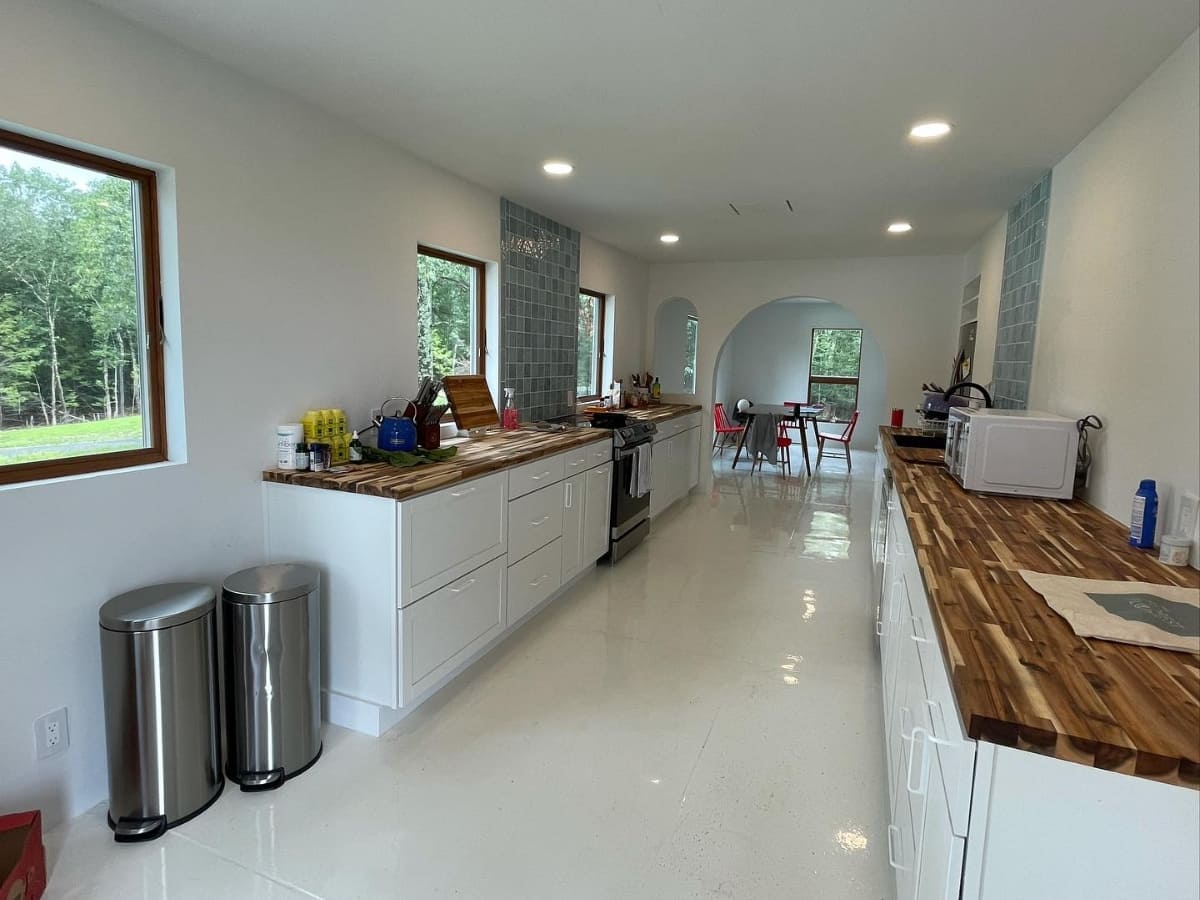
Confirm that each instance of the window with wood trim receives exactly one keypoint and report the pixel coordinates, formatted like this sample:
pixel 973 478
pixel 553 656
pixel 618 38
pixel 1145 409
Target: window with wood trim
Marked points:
pixel 833 370
pixel 451 317
pixel 589 346
pixel 81 362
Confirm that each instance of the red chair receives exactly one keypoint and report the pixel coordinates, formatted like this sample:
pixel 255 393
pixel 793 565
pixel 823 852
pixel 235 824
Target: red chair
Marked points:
pixel 784 443
pixel 722 427
pixel 843 439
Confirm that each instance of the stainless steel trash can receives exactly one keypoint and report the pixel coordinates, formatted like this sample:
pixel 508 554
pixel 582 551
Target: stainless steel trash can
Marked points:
pixel 272 625
pixel 158 650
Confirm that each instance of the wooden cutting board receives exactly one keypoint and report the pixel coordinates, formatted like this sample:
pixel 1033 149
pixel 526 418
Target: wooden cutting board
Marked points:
pixel 471 401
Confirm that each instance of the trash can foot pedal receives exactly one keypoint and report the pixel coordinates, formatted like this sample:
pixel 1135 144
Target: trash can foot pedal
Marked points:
pixel 127 830
pixel 260 781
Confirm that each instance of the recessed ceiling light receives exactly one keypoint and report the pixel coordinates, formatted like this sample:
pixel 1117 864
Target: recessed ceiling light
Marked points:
pixel 557 167
pixel 928 131
pixel 899 227
pixel 669 238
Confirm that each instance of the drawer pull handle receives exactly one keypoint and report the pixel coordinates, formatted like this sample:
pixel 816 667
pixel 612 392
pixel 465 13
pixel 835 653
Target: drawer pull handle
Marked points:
pixel 935 707
pixel 465 587
pixel 545 474
pixel 538 581
pixel 462 493
pixel 919 735
pixel 919 638
pixel 893 831
pixel 576 463
pixel 878 629
pixel 570 501
pixel 904 710
pixel 538 523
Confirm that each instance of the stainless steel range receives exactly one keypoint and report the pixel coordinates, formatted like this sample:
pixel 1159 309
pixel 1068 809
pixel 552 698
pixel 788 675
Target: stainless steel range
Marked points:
pixel 630 513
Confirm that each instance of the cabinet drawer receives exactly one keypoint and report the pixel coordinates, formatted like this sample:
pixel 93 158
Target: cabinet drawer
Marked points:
pixel 450 527
pixel 537 474
pixel 533 579
pixel 668 429
pixel 599 453
pixel 534 521
pixel 443 627
pixel 576 460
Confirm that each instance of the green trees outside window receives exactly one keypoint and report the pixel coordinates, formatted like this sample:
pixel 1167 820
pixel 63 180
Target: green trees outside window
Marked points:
pixel 833 370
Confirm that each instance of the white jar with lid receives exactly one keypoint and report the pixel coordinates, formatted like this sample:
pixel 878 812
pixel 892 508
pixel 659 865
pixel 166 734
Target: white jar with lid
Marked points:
pixel 1175 550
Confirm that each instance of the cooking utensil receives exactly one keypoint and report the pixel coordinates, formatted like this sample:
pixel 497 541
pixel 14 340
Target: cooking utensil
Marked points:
pixel 471 402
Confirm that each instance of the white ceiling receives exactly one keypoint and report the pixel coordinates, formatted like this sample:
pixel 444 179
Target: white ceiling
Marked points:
pixel 673 109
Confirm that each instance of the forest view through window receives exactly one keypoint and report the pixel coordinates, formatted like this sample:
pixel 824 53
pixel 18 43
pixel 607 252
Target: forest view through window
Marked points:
pixel 589 346
pixel 691 340
pixel 80 359
pixel 833 370
pixel 449 319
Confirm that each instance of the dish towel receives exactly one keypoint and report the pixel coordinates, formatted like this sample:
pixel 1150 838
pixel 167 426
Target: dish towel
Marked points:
pixel 764 438
pixel 1132 612
pixel 642 469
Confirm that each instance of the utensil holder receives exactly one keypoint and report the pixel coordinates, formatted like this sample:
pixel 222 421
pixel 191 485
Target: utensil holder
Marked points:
pixel 429 435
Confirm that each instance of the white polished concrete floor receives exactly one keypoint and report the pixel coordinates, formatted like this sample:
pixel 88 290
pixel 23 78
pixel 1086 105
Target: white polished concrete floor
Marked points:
pixel 702 720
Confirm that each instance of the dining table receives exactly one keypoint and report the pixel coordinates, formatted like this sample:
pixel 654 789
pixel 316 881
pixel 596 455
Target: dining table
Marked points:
pixel 796 412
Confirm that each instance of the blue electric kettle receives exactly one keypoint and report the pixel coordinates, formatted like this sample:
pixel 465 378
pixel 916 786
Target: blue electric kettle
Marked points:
pixel 396 432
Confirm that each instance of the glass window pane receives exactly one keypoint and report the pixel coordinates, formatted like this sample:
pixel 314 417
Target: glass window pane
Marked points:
pixel 73 378
pixel 587 347
pixel 836 352
pixel 840 399
pixel 446 292
pixel 689 358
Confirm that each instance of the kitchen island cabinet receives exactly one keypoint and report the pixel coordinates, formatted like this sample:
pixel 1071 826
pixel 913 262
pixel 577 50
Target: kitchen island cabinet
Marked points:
pixel 676 460
pixel 1020 762
pixel 416 589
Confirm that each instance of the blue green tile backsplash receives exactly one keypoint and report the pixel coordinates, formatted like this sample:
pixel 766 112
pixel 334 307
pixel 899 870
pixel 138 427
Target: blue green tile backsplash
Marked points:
pixel 539 307
pixel 1020 294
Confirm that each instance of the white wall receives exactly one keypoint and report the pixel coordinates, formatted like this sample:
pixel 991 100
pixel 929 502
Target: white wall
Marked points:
pixel 623 279
pixel 986 260
pixel 910 305
pixel 1119 319
pixel 771 348
pixel 297 288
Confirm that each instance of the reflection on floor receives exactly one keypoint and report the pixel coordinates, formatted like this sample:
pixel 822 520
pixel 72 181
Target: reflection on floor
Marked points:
pixel 702 720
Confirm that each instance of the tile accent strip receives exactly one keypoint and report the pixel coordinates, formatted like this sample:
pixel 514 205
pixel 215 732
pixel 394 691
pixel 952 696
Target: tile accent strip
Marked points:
pixel 1020 294
pixel 539 304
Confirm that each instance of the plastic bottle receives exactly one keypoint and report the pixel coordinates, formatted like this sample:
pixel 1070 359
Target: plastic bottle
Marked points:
pixel 1145 515
pixel 356 449
pixel 656 389
pixel 512 418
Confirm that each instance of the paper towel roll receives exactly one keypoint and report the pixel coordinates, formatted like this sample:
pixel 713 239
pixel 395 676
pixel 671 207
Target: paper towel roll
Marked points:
pixel 287 436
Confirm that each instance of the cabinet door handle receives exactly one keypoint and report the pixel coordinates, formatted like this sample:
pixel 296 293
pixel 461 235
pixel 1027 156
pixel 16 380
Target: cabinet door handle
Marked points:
pixel 540 477
pixel 878 629
pixel 570 500
pixel 538 581
pixel 904 710
pixel 893 831
pixel 539 522
pixel 465 587
pixel 919 638
pixel 462 493
pixel 935 707
pixel 919 735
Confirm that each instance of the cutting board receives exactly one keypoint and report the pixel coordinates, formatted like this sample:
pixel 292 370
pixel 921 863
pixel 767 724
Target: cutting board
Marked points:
pixel 470 401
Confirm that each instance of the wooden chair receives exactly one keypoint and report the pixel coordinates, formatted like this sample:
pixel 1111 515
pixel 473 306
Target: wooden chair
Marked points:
pixel 723 428
pixel 843 439
pixel 784 443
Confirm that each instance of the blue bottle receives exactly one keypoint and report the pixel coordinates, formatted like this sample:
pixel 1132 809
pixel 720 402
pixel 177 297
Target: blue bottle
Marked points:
pixel 1145 515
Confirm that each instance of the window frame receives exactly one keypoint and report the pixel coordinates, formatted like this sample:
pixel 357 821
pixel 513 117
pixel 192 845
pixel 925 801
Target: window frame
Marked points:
pixel 479 304
pixel 601 312
pixel 691 317
pixel 146 246
pixel 835 379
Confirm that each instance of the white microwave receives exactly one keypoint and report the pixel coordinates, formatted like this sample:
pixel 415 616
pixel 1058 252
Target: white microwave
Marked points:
pixel 1012 451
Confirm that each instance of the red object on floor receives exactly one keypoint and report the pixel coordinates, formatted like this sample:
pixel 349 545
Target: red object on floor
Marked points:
pixel 722 427
pixel 897 418
pixel 843 439
pixel 22 856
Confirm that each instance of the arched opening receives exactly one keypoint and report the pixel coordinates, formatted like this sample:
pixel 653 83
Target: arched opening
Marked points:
pixel 805 349
pixel 676 344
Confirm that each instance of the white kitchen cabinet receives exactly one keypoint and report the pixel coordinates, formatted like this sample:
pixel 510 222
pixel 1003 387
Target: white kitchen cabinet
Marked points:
pixel 533 580
pixel 534 520
pixel 574 491
pixel 597 512
pixel 660 476
pixel 676 468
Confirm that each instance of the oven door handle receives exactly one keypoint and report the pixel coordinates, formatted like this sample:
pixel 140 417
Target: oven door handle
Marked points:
pixel 627 452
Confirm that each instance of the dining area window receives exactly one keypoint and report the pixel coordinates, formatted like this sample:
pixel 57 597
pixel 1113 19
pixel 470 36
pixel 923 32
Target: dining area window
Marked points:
pixel 833 371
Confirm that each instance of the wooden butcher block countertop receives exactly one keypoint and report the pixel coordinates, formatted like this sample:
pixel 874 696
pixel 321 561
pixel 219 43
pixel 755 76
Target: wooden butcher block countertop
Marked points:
pixel 476 456
pixel 661 412
pixel 1021 676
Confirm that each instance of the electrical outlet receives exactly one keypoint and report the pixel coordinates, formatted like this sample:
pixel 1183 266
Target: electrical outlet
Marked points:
pixel 1185 522
pixel 50 733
